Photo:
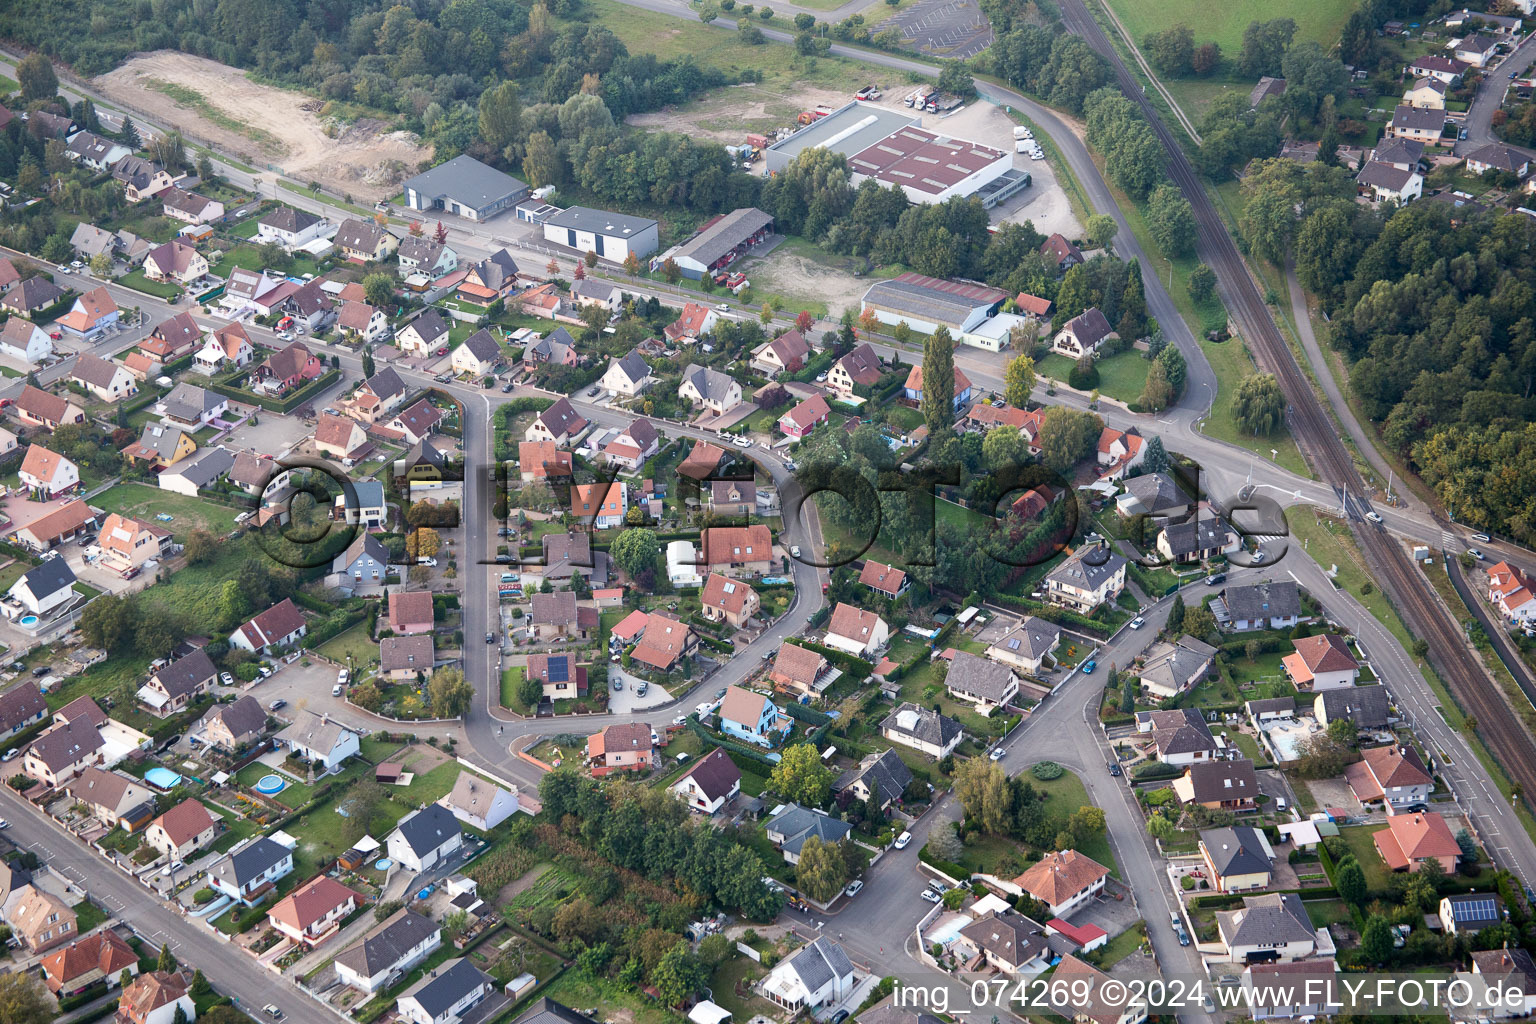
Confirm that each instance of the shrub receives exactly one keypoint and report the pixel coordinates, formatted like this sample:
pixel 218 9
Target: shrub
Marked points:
pixel 204 895
pixel 1045 771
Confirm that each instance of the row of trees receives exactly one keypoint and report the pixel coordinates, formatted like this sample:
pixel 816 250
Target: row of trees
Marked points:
pixel 998 805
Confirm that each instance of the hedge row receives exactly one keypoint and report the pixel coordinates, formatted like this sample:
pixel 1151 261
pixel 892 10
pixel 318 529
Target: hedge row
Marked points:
pixel 1051 613
pixel 949 867
pixel 1155 771
pixel 857 667
pixel 286 404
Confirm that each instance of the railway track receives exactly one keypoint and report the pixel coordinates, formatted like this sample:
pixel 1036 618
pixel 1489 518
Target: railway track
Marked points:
pixel 1507 740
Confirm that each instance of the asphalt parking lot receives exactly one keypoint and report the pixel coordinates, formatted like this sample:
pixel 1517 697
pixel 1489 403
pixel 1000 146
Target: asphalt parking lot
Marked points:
pixel 945 28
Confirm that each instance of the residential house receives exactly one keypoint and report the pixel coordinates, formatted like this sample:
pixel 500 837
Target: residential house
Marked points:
pixel 1426 94
pixel 729 601
pixel 555 616
pixel 30 297
pixel 98 959
pixel 1008 941
pixel 1420 125
pixel 115 799
pixel 444 995
pixel 1385 183
pixel 913 389
pixel 41 920
pixel 1091 576
pixel 40 408
pixel 1027 645
pixel 1470 912
pixel 288 367
pixel 665 643
pixel 1320 663
pixel 424 335
pixel 1411 839
pixel 255 474
pixel 1515 971
pixel 309 305
pixel 231 726
pixel 560 423
pixel 156 997
pixel 426 256
pixel 252 871
pixel 856 372
pixel 885 580
pixel 861 633
pixel 364 562
pixel 1064 880
pixel 426 838
pixel 191 407
pixel 1236 858
pixel 989 685
pixel 1272 605
pixel 1083 335
pixel 200 470
pixel 418 422
pixel 785 354
pixel 751 716
pixel 796 670
pixel 406 658
pixel 91 315
pixel 494 277
pixel 172 687
pixel 709 389
pixel 377 397
pixel 1268 927
pixel 570 554
pixel 1305 989
pixel 1120 451
pixel 557 348
pixel 108 381
pixel 625 746
pixel 23 706
pixel 95 151
pixel 736 498
pixel 175 262
pixel 177 337
pixel 590 292
pixel 713 779
pixel 386 953
pixel 21 339
pixel 600 506
pixel 38 591
pixel 1476 49
pixel 190 207
pixel 1496 157
pixel 696 321
pixel 320 739
pixel 1513 593
pixel 1219 785
pixel 160 445
pixel 182 830
pixel 883 775
pixel 1060 253
pixel 47 474
pixel 88 241
pixel 1080 994
pixel 359 319
pixel 805 417
pixel 1172 668
pixel 142 179
pixel 364 241
pixel 922 729
pixel 410 612
pixel 339 436
pixel 629 376
pixel 313 912
pixel 1179 736
pixel 7 442
pixel 61 525
pixel 819 974
pixel 254 291
pixel 736 550
pixel 478 356
pixel 633 446
pixel 229 345
pixel 702 461
pixel 290 227
pixel 1366 706
pixel 791 825
pixel 62 752
pixel 1152 494
pixel 478 803
pixel 1392 775
pixel 1445 69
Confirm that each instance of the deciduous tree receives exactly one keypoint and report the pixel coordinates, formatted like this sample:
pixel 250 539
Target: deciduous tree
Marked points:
pixel 801 776
pixel 1258 406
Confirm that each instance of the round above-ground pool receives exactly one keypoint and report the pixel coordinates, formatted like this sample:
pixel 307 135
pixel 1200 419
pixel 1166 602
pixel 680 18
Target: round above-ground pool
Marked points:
pixel 161 778
pixel 270 785
pixel 29 620
pixel 382 863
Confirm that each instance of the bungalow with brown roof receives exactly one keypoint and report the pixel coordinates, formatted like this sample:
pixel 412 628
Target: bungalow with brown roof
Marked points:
pixel 100 958
pixel 1065 881
pixel 183 829
pixel 403 658
pixel 727 600
pixel 313 912
pixel 410 611
pixel 623 747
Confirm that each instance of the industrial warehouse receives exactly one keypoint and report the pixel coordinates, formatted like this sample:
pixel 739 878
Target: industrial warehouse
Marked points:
pixel 894 149
pixel 719 243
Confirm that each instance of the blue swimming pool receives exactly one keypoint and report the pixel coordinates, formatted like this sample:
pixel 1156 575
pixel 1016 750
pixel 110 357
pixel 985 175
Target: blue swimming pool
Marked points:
pixel 270 785
pixel 161 778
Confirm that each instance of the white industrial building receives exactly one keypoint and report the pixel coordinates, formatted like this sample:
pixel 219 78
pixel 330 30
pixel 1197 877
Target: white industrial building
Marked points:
pixel 927 303
pixel 613 236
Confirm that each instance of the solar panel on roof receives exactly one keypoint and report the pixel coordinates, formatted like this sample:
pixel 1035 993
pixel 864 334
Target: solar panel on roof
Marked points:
pixel 1475 910
pixel 559 670
pixel 1013 644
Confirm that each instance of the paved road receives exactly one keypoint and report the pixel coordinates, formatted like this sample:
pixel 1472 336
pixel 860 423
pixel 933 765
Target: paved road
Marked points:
pixel 234 972
pixel 1490 96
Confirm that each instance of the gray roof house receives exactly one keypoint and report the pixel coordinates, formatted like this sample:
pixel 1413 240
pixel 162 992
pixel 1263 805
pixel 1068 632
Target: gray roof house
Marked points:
pixel 247 873
pixel 466 188
pixel 1027 645
pixel 1196 539
pixel 1152 494
pixel 1273 926
pixel 1173 668
pixel 425 837
pixel 1274 605
pixel 1008 940
pixel 885 773
pixel 791 825
pixel 1235 852
pixel 818 974
pixel 393 947
pixel 1367 706
pixel 364 563
pixel 89 240
pixel 443 995
pixel 922 729
pixel 714 387
pixel 987 684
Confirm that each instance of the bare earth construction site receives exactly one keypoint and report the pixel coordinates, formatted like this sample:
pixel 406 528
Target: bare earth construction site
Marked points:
pixel 220 105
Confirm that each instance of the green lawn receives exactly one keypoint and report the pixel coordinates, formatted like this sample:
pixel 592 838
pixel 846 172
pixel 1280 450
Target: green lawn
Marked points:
pixel 511 679
pixel 1377 875
pixel 1121 377
pixel 87 916
pixel 1319 21
pixel 355 644
pixel 1121 946
pixel 608 999
pixel 1231 363
pixel 138 282
pixel 142 501
pixel 297 793
pixel 1065 795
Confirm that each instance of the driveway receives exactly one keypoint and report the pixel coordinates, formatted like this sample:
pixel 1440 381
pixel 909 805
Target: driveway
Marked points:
pixel 627 700
pixel 271 435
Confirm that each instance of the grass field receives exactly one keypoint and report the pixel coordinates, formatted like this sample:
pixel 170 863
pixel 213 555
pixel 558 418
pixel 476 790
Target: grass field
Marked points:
pixel 1317 20
pixel 1065 795
pixel 142 501
pixel 355 644
pixel 138 282
pixel 1121 377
